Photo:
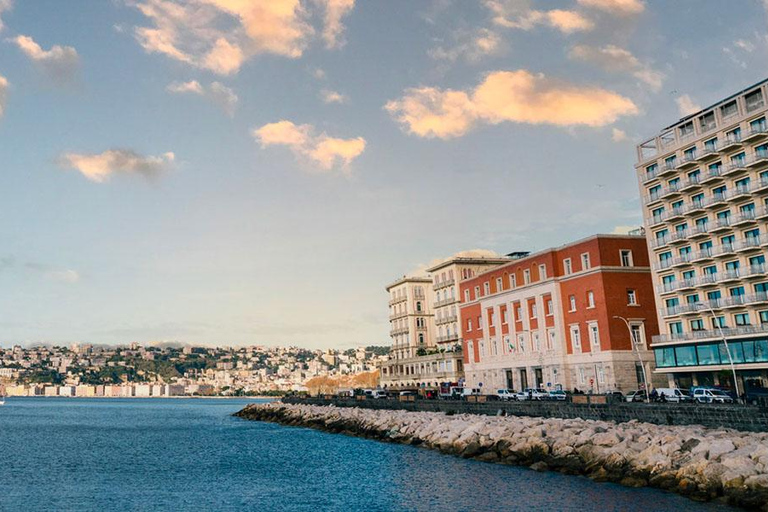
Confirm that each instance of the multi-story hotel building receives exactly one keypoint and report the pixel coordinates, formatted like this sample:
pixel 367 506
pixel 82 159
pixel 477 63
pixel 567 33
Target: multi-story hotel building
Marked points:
pixel 445 284
pixel 548 319
pixel 704 184
pixel 424 324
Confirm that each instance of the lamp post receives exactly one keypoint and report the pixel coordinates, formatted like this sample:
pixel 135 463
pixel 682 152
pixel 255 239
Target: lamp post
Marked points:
pixel 639 356
pixel 725 342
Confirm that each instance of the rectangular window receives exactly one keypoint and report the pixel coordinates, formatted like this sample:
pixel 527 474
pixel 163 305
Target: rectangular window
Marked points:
pixel 499 284
pixel 575 338
pixel 466 295
pixel 486 288
pixel 469 324
pixel 534 310
pixel 542 272
pixel 551 339
pixel 567 266
pixel 512 281
pixel 741 319
pixel 572 303
pixel 477 292
pixel 626 258
pixel 585 261
pixel 590 300
pixel 594 335
pixel 631 298
pixel 526 276
pixel 550 308
pixel 505 316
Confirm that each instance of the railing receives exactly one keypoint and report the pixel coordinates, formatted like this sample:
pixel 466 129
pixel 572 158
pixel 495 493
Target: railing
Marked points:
pixel 446 320
pixel 447 337
pixel 713 333
pixel 751 107
pixel 443 284
pixel 445 302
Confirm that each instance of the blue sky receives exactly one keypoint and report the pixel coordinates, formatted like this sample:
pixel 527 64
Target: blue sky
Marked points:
pixel 247 171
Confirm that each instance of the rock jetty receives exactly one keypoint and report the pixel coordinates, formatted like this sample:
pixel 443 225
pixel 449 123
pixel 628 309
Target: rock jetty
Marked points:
pixel 701 463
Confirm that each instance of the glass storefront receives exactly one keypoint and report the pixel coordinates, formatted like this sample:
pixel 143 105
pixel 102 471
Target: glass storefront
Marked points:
pixel 710 354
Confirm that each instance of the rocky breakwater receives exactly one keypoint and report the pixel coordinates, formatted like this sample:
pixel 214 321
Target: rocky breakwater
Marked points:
pixel 703 464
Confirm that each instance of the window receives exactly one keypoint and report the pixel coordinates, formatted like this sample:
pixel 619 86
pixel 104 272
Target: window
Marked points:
pixel 536 342
pixel 594 335
pixel 499 284
pixel 631 298
pixel 486 288
pixel 575 338
pixel 551 338
pixel 480 322
pixel 697 325
pixel 582 376
pixel 512 281
pixel 637 335
pixel 567 266
pixel 521 342
pixel 550 308
pixel 754 100
pixel 542 272
pixel 469 324
pixel 534 311
pixel 572 302
pixel 504 316
pixel 626 258
pixel 590 299
pixel 466 295
pixel 729 109
pixel 526 276
pixel 477 292
pixel 585 261
pixel 601 375
pixel 741 319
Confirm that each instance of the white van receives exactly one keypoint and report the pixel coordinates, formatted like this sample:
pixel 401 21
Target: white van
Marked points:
pixel 470 392
pixel 711 396
pixel 674 395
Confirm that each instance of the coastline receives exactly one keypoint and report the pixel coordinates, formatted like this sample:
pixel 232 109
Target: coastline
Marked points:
pixel 700 463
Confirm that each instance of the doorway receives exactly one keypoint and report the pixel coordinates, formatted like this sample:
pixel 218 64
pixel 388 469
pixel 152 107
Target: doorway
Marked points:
pixel 523 379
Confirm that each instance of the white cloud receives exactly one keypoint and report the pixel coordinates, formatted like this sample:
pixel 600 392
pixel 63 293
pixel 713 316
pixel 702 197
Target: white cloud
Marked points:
pixel 507 96
pixel 335 10
pixel 98 167
pixel 619 60
pixel 473 47
pixel 518 14
pixel 5 5
pixel 617 7
pixel 686 105
pixel 220 35
pixel 624 230
pixel 65 276
pixel 329 96
pixel 217 92
pixel 4 85
pixel 618 135
pixel 60 63
pixel 321 150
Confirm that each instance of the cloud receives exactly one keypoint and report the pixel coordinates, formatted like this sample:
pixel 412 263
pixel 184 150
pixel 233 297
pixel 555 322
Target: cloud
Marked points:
pixel 217 93
pixel 220 35
pixel 477 45
pixel 4 85
pixel 617 7
pixel 335 10
pixel 618 60
pixel 5 5
pixel 329 96
pixel 506 96
pixel 618 135
pixel 60 63
pixel 625 230
pixel 65 275
pixel 98 167
pixel 686 105
pixel 323 151
pixel 518 14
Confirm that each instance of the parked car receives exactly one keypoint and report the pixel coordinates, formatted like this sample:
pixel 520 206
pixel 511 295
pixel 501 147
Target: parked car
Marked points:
pixel 673 395
pixel 755 394
pixel 506 394
pixel 407 393
pixel 615 396
pixel 532 394
pixel 379 393
pixel 559 395
pixel 451 392
pixel 636 396
pixel 711 396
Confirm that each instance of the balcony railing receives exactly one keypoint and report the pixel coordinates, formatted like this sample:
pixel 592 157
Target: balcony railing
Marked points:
pixel 443 284
pixel 729 332
pixel 445 302
pixel 446 320
pixel 447 337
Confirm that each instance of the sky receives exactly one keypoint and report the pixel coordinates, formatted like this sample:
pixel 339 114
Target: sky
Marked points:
pixel 240 172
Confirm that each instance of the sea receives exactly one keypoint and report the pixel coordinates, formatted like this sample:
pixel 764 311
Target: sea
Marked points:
pixel 80 454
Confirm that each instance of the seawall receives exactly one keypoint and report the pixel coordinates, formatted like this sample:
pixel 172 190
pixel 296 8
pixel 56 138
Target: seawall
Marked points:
pixel 703 464
pixel 749 418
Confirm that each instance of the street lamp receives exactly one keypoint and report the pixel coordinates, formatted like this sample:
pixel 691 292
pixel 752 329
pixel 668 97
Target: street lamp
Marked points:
pixel 639 356
pixel 700 305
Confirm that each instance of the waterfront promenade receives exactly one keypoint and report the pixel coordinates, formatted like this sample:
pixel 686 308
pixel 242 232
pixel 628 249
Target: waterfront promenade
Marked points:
pixel 701 463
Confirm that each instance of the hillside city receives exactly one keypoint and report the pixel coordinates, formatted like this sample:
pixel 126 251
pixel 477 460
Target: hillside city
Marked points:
pixel 137 370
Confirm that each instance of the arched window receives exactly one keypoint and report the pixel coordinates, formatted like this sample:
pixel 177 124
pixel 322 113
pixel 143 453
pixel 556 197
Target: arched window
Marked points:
pixel 421 339
pixel 418 306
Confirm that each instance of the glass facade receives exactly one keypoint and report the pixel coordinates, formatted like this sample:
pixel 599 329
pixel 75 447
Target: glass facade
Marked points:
pixel 709 354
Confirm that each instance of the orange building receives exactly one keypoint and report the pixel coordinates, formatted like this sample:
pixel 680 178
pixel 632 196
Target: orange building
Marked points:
pixel 554 319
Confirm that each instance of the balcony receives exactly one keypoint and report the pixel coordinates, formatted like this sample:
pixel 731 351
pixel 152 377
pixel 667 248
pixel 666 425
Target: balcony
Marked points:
pixel 670 191
pixel 713 174
pixel 731 143
pixel 399 331
pixel 658 243
pixel 728 276
pixel 759 158
pixel 398 300
pixel 757 298
pixel 734 301
pixel 715 201
pixel 723 251
pixel 748 244
pixel 667 168
pixel 681 261
pixel 744 218
pixel 739 193
pixel 755 134
pixel 678 237
pixel 652 198
pixel 688 160
pixel 720 225
pixel 663 265
pixel 649 176
pixel 443 284
pixel 691 183
pixel 729 332
pixel 447 338
pixel 708 153
pixel 755 272
pixel 699 231
pixel 395 316
pixel 761 186
pixel 702 255
pixel 695 207
pixel 445 302
pixel 735 167
pixel 655 220
pixel 685 284
pixel 446 320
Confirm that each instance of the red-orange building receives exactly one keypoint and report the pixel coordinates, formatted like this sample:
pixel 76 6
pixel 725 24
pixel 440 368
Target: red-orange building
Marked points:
pixel 548 319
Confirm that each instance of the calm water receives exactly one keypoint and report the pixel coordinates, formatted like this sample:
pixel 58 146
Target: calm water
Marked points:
pixel 101 454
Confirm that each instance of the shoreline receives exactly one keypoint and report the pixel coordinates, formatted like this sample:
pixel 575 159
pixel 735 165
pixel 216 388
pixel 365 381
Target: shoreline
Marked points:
pixel 273 398
pixel 700 463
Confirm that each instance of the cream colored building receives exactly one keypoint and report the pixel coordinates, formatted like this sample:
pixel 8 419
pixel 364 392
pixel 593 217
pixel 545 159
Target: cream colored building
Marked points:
pixel 410 316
